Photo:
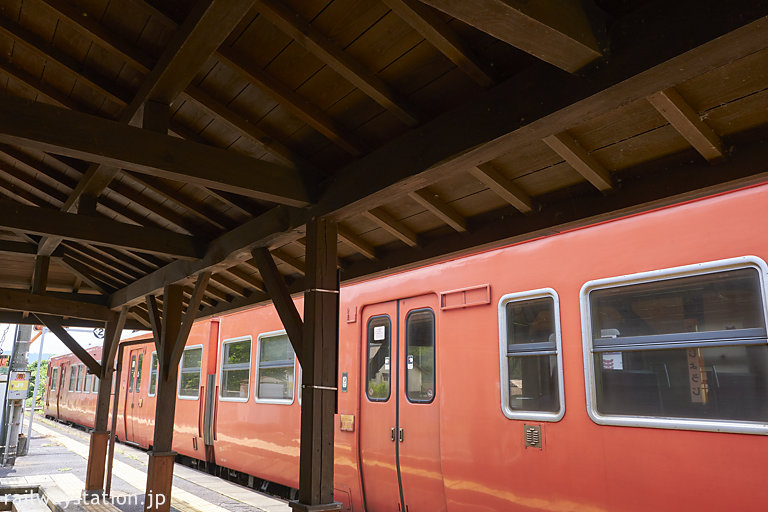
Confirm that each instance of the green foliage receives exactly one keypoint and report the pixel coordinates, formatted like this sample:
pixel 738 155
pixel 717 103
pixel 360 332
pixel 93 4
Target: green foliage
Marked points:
pixel 32 368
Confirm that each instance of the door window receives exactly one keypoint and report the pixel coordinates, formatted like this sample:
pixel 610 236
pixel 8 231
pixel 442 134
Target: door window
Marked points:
pixel 379 358
pixel 191 365
pixel 420 356
pixel 275 379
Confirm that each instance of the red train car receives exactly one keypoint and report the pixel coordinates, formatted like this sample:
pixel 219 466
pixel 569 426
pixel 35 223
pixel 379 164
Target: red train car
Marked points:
pixel 620 366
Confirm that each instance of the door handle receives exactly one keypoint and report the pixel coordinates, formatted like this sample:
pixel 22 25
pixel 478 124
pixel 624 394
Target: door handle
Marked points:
pixel 401 435
pixel 392 434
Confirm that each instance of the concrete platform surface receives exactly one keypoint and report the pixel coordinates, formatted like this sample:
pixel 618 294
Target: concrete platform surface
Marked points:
pixel 57 459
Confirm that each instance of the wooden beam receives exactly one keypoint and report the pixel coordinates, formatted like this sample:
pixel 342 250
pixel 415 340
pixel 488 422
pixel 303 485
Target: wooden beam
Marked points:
pixel 40 275
pixel 17 300
pixel 492 125
pixel 155 321
pixel 54 325
pixel 577 157
pixel 393 226
pixel 248 279
pixel 503 187
pixel 439 208
pixel 278 292
pixel 357 243
pixel 430 25
pixel 334 56
pixel 688 123
pixel 112 333
pixel 42 221
pixel 189 317
pixel 82 272
pixel 106 142
pixel 297 104
pixel 557 32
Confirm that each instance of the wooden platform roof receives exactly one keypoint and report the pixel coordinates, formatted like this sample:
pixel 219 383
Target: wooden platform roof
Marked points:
pixel 144 142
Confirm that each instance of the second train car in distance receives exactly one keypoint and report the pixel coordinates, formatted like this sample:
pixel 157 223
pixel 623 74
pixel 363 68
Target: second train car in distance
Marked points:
pixel 621 366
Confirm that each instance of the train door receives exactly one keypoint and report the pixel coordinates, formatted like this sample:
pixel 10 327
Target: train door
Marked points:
pixel 132 397
pixel 399 414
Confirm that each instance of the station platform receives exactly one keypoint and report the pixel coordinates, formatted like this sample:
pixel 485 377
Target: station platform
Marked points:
pixel 56 467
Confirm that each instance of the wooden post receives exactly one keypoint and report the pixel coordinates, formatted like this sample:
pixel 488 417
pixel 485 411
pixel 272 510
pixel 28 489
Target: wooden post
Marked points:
pixel 171 332
pixel 97 452
pixel 319 371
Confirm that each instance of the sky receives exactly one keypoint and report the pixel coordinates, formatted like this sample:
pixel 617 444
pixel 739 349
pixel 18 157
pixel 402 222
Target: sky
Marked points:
pixel 52 344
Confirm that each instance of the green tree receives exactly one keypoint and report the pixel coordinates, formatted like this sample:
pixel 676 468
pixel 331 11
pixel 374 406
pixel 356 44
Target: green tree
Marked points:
pixel 32 367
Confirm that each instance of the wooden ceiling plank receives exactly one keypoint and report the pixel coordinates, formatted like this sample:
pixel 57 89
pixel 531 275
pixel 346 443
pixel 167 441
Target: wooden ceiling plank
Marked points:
pixel 334 56
pixel 140 316
pixel 297 104
pixel 44 221
pixel 105 142
pixel 441 36
pixel 84 273
pixel 248 279
pixel 43 89
pixel 557 32
pixel 503 187
pixel 104 37
pixel 688 123
pixel 356 242
pixel 230 285
pixel 577 157
pixel 105 258
pixel 97 268
pixel 439 208
pixel 50 53
pixel 242 125
pixel 22 300
pixel 393 226
pixel 295 263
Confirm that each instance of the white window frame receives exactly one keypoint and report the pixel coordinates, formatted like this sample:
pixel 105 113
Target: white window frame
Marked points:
pixel 248 338
pixel 278 401
pixel 178 382
pixel 71 383
pixel 79 379
pixel 54 378
pixel 153 356
pixel 514 414
pixel 95 384
pixel 88 384
pixel 711 267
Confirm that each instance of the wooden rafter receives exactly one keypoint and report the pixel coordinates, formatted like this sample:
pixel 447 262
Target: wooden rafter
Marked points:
pixel 19 300
pixel 335 57
pixel 579 158
pixel 687 122
pixel 503 187
pixel 442 210
pixel 557 32
pixel 393 226
pixel 356 242
pixel 427 23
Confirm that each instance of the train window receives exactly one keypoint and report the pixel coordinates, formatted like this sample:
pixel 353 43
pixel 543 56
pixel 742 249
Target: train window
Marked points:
pixel 72 377
pixel 191 366
pixel 95 385
pixel 54 378
pixel 88 381
pixel 275 371
pixel 138 372
pixel 132 374
pixel 152 375
pixel 79 378
pixel 531 360
pixel 379 357
pixel 420 356
pixel 683 348
pixel 235 369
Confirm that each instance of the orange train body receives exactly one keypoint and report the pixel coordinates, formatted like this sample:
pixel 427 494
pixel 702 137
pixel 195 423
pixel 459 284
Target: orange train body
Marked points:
pixel 446 440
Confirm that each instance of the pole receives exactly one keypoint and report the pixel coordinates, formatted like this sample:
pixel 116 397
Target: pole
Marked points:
pixel 34 393
pixel 8 411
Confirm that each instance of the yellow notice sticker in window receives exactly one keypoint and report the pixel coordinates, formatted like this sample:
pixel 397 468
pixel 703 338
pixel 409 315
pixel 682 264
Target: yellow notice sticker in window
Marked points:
pixel 347 422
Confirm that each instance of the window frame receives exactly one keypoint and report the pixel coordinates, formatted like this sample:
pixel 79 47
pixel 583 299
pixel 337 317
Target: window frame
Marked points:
pixel 367 361
pixel 405 353
pixel 247 397
pixel 178 381
pixel 711 267
pixel 153 357
pixel 79 379
pixel 277 401
pixel 513 414
pixel 71 384
pixel 54 378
